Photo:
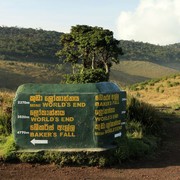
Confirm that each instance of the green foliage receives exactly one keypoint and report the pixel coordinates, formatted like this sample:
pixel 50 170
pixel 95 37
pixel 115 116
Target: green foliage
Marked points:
pixel 134 148
pixel 65 158
pixel 5 121
pixel 92 47
pixel 146 115
pixel 145 51
pixel 9 149
pixel 28 44
pixel 87 76
pixel 31 157
pixel 134 129
pixel 40 45
pixel 172 84
pixel 157 89
pixel 133 87
pixel 127 148
pixel 162 91
pixel 138 148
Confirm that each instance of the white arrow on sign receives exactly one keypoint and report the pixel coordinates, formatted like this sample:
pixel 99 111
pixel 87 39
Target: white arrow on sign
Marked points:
pixel 34 141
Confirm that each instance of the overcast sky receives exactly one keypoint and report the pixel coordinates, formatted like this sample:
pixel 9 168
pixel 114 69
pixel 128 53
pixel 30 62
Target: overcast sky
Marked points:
pixel 153 21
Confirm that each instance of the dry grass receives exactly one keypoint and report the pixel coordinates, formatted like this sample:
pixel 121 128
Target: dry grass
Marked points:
pixel 13 74
pixel 165 92
pixel 130 72
pixel 6 98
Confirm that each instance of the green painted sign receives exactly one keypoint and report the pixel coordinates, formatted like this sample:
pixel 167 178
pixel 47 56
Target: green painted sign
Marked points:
pixel 63 116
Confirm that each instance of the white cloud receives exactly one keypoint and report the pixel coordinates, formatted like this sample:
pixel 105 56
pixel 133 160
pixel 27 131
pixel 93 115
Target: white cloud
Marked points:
pixel 154 21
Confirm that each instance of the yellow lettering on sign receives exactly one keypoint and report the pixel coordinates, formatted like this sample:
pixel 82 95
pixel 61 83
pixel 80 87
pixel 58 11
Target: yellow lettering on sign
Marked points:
pixel 99 133
pixel 36 98
pixel 67 119
pixel 103 97
pixel 115 97
pixel 113 124
pixel 44 127
pixel 66 128
pixel 66 134
pixel 80 104
pixel 53 112
pixel 44 119
pixel 56 98
pixel 100 104
pixel 101 112
pixel 43 134
pixel 35 105
pixel 56 104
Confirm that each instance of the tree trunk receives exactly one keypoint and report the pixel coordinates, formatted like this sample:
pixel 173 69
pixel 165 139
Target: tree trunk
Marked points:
pixel 106 68
pixel 93 62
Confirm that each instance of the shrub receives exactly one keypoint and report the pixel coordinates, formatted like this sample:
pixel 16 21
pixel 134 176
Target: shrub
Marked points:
pixel 31 157
pixel 134 87
pixel 157 89
pixel 162 91
pixel 134 129
pixel 5 121
pixel 134 148
pixel 137 148
pixel 87 76
pixel 9 150
pixel 145 114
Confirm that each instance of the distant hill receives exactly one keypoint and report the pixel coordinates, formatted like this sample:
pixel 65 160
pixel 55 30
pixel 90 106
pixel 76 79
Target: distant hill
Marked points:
pixel 149 52
pixel 15 73
pixel 130 72
pixel 140 62
pixel 28 44
pixel 24 44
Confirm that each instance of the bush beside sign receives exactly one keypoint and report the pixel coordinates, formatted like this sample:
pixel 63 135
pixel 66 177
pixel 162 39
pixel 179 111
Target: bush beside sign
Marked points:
pixel 68 116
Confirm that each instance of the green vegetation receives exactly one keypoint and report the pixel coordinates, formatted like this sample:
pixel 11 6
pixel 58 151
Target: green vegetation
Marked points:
pixel 149 52
pixel 28 44
pixel 40 45
pixel 93 49
pixel 146 116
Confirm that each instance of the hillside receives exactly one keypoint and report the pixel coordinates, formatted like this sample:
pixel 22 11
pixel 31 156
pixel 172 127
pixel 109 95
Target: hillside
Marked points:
pixel 149 52
pixel 130 72
pixel 13 74
pixel 39 45
pixel 163 92
pixel 28 44
pixel 140 62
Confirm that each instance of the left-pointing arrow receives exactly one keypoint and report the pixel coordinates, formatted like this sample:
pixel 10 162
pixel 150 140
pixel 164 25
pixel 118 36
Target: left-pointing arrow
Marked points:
pixel 35 141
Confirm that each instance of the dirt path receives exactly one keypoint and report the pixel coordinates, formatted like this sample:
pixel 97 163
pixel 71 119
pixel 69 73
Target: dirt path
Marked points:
pixel 166 166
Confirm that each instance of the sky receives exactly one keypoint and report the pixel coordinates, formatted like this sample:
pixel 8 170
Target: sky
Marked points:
pixel 152 21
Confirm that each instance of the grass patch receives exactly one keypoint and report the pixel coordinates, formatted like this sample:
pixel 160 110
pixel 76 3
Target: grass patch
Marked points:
pixel 127 148
pixel 158 92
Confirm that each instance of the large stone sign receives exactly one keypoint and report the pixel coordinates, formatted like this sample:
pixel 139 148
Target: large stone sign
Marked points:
pixel 68 116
